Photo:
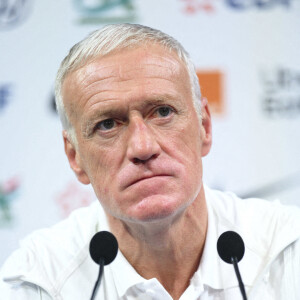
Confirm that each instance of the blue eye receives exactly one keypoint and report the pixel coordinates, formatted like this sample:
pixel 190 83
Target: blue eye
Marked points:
pixel 164 111
pixel 106 124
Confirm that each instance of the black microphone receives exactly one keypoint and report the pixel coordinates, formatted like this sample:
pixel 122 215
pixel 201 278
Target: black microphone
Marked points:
pixel 231 249
pixel 103 250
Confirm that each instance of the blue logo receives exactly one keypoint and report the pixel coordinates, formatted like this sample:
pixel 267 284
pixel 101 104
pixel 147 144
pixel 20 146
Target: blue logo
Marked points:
pixel 13 12
pixel 105 11
pixel 5 93
pixel 242 4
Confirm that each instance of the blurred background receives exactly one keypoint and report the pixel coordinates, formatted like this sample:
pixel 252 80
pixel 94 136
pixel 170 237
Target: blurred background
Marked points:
pixel 246 53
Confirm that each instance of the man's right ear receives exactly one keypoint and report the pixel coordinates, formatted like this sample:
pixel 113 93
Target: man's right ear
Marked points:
pixel 74 159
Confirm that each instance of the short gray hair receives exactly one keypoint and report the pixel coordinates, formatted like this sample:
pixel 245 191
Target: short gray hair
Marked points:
pixel 113 38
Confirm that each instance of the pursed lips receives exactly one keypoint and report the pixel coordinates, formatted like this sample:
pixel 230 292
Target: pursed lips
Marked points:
pixel 139 179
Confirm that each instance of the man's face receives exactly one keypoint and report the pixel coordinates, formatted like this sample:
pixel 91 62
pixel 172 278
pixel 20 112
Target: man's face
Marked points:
pixel 139 139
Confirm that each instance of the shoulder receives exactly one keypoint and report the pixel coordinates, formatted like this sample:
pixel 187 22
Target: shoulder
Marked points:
pixel 280 279
pixel 48 255
pixel 266 226
pixel 67 238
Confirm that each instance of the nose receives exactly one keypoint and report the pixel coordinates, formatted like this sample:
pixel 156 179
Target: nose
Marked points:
pixel 142 143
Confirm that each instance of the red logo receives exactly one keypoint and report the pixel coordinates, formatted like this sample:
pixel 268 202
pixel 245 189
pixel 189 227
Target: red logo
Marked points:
pixel 72 197
pixel 194 6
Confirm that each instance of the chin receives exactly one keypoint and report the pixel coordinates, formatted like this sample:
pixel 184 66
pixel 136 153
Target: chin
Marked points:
pixel 156 208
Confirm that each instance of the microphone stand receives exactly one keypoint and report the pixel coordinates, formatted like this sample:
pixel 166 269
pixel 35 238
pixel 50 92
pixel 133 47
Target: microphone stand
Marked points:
pixel 234 261
pixel 97 284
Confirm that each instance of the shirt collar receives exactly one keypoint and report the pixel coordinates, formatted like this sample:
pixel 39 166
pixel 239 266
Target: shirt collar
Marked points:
pixel 124 274
pixel 129 282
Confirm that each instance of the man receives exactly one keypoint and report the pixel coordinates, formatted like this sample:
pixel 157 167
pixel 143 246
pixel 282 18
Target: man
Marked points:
pixel 136 128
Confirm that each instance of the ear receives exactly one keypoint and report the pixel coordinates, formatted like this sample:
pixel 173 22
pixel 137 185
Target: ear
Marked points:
pixel 74 159
pixel 206 127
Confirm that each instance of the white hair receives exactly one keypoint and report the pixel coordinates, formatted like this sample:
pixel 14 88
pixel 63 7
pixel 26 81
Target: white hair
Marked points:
pixel 110 39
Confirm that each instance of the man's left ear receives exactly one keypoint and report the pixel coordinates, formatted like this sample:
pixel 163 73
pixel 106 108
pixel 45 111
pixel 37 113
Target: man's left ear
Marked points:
pixel 206 129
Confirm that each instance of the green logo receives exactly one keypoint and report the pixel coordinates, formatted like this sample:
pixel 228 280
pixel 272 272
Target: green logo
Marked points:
pixel 105 11
pixel 8 192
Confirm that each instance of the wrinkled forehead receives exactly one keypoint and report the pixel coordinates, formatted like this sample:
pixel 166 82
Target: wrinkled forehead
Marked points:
pixel 143 63
pixel 127 61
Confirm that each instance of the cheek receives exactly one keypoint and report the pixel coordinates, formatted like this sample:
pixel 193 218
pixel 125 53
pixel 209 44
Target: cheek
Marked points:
pixel 101 167
pixel 184 146
pixel 185 143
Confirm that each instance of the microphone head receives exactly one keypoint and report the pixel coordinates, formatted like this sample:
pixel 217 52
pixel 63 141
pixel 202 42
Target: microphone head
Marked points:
pixel 230 244
pixel 103 245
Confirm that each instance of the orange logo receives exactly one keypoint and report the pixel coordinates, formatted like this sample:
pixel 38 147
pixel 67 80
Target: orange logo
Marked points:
pixel 212 88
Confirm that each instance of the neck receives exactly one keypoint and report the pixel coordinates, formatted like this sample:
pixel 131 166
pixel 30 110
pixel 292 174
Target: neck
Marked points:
pixel 168 250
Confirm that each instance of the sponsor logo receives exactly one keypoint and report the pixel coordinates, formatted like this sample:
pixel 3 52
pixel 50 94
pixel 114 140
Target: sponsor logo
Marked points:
pixel 8 192
pixel 263 4
pixel 14 12
pixel 72 197
pixel 281 92
pixel 209 6
pixel 5 94
pixel 212 88
pixel 105 11
pixel 194 6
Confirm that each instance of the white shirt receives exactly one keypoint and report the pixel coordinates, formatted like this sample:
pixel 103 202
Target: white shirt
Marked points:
pixel 55 263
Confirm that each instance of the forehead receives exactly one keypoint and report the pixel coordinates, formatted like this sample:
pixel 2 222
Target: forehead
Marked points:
pixel 148 68
pixel 150 59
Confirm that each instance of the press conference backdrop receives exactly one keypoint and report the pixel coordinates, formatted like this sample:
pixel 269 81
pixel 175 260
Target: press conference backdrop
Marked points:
pixel 247 57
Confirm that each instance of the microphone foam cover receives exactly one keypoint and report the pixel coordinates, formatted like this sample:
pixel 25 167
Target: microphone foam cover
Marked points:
pixel 105 245
pixel 230 244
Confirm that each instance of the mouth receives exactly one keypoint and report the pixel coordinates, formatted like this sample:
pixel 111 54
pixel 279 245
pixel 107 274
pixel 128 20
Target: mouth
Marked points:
pixel 134 182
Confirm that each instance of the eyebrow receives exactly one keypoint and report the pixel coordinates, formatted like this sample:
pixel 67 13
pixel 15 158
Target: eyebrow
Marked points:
pixel 120 111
